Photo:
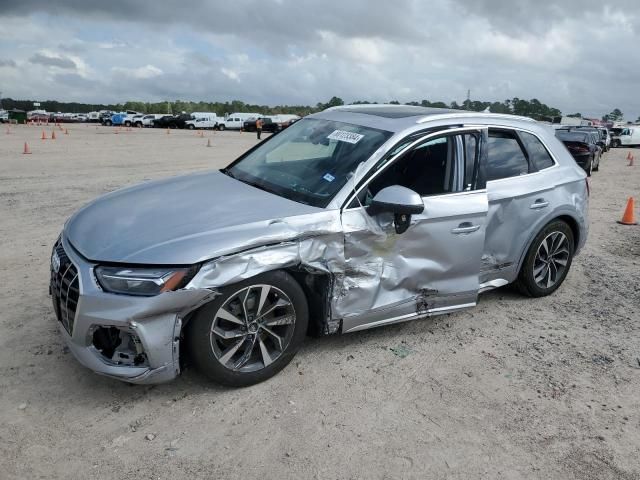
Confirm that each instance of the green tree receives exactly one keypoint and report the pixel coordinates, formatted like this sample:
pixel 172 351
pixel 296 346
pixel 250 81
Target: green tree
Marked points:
pixel 615 115
pixel 575 115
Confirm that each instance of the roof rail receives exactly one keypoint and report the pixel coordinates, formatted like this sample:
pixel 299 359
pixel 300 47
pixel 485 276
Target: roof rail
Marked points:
pixel 466 114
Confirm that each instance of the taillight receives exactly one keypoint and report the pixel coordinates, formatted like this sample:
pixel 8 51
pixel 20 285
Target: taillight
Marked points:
pixel 586 180
pixel 578 148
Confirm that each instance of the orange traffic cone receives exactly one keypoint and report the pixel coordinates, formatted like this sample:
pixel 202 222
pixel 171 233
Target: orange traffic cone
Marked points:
pixel 628 216
pixel 53 135
pixel 631 159
pixel 66 131
pixel 26 149
pixel 44 135
pixel 208 142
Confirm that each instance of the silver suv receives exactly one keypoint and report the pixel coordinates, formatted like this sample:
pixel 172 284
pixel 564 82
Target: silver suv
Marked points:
pixel 350 219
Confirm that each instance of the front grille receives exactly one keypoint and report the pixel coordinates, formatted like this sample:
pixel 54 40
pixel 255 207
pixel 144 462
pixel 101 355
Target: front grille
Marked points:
pixel 65 287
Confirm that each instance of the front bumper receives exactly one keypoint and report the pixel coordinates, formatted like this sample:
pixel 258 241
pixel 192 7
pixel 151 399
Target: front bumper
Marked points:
pixel 155 322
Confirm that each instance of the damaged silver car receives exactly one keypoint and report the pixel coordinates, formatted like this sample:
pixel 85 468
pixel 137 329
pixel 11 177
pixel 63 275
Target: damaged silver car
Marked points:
pixel 352 218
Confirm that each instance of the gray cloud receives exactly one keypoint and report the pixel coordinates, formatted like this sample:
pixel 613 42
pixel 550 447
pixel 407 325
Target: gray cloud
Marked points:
pixel 51 61
pixel 575 55
pixel 7 63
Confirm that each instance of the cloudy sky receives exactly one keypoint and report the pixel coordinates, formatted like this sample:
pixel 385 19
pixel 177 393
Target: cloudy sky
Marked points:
pixel 577 55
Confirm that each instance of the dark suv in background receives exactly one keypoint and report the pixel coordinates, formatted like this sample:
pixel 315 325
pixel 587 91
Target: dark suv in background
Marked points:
pixel 583 145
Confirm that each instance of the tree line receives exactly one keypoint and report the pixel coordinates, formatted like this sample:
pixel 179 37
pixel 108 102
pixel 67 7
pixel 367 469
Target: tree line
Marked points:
pixel 529 108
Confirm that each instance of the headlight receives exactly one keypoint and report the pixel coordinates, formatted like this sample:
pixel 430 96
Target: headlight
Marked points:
pixel 143 281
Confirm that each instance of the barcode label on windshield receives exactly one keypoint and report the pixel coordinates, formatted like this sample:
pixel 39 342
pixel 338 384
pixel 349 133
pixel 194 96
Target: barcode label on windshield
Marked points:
pixel 342 136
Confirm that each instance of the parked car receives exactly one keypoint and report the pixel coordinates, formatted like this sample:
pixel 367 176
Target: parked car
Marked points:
pixel 630 136
pixel 202 120
pixel 604 134
pixel 147 120
pixel 125 119
pixel 352 218
pixel 235 121
pixel 615 136
pixel 583 147
pixel 268 125
pixel 172 121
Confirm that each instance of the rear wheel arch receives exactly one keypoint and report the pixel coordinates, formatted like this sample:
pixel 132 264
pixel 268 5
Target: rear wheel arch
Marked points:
pixel 568 219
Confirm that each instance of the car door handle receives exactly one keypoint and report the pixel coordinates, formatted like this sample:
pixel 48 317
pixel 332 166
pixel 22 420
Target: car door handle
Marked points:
pixel 465 227
pixel 538 204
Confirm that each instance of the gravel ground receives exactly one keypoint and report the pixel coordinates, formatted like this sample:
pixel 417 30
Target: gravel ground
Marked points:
pixel 516 388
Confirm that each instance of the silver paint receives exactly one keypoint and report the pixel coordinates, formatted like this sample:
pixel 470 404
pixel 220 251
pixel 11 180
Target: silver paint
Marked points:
pixel 461 244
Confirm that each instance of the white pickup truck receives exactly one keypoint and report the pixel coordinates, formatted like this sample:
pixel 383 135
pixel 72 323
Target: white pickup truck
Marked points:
pixel 202 120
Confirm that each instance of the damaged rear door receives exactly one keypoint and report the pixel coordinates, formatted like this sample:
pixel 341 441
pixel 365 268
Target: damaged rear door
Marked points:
pixel 433 265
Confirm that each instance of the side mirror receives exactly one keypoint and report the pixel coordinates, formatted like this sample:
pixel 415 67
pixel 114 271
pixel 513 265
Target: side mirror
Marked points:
pixel 401 201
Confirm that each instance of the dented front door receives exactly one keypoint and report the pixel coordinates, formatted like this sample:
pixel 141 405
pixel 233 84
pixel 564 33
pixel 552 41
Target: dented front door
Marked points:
pixel 430 268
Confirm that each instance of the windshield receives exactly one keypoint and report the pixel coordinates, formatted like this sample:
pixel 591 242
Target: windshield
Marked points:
pixel 310 161
pixel 572 136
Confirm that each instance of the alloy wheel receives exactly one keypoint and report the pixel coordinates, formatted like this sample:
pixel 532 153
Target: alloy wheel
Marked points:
pixel 252 328
pixel 551 260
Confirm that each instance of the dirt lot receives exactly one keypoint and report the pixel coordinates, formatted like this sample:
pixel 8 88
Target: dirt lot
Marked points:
pixel 514 389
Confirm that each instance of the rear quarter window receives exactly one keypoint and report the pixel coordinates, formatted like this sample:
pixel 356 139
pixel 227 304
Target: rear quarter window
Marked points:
pixel 505 157
pixel 538 154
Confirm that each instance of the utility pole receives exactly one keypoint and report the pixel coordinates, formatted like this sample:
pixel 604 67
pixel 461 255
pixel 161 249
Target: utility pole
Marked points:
pixel 469 95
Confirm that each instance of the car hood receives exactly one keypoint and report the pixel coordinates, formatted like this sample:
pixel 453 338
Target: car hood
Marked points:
pixel 184 220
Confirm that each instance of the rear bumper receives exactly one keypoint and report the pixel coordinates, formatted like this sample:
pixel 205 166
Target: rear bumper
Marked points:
pixel 155 321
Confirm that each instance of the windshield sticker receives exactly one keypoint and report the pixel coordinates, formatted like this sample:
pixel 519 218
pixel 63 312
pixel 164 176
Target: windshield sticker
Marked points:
pixel 329 178
pixel 343 136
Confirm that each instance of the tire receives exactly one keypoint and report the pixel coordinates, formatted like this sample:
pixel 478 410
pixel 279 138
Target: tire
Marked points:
pixel 589 167
pixel 108 123
pixel 616 143
pixel 532 280
pixel 597 167
pixel 217 329
pixel 191 127
pixel 127 124
pixel 221 128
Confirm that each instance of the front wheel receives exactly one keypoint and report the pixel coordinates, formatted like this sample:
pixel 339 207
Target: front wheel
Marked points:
pixel 548 260
pixel 191 127
pixel 221 127
pixel 251 331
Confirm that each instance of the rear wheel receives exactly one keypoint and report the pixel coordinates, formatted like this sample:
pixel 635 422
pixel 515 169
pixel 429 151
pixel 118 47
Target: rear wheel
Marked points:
pixel 251 331
pixel 548 260
pixel 597 165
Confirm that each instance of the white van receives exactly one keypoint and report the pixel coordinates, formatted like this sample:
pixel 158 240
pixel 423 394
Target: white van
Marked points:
pixel 630 136
pixel 235 121
pixel 202 120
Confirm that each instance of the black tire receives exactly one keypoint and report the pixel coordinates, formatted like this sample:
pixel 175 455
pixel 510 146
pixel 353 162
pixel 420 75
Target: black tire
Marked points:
pixel 191 127
pixel 526 282
pixel 597 165
pixel 589 167
pixel 199 330
pixel 127 124
pixel 108 123
pixel 221 127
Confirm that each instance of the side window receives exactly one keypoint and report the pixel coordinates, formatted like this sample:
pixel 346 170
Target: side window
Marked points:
pixel 427 169
pixel 505 157
pixel 538 154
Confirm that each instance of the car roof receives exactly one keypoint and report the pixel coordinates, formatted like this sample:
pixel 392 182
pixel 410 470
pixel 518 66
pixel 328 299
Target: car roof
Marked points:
pixel 397 118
